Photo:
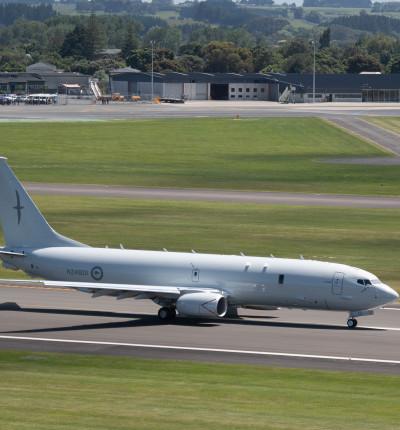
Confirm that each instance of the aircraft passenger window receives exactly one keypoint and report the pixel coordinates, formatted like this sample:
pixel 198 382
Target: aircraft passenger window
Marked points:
pixel 281 278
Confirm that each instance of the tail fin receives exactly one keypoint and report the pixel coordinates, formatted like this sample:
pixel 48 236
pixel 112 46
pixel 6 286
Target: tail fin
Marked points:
pixel 23 224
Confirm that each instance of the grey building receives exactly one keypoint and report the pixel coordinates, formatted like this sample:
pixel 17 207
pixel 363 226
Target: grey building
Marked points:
pixel 258 86
pixel 196 86
pixel 21 83
pixel 363 87
pixel 40 77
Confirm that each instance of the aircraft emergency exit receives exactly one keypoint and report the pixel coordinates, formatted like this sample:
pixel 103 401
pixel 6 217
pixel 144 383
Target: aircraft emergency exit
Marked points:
pixel 194 285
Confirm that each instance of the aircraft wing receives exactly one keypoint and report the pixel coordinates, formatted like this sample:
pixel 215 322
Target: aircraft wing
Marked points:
pixel 121 291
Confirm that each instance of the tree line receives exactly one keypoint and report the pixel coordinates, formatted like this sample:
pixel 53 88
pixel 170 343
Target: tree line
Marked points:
pixel 9 12
pixel 76 43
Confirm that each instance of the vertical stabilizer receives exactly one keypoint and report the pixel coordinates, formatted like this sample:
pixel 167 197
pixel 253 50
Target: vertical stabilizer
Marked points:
pixel 23 224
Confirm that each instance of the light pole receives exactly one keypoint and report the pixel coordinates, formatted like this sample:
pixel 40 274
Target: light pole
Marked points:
pixel 152 42
pixel 313 80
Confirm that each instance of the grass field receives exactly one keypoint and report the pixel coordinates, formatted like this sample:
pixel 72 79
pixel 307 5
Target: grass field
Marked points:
pixel 391 123
pixel 61 391
pixel 270 154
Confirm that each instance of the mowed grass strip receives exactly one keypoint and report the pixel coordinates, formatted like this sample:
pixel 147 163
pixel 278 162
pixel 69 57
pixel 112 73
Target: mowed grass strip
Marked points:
pixel 61 391
pixel 264 154
pixel 391 123
pixel 366 238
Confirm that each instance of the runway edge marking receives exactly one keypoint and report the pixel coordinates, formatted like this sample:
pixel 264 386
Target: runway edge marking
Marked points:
pixel 187 348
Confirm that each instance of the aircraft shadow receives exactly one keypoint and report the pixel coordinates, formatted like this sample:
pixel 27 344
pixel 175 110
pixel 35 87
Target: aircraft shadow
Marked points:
pixel 148 320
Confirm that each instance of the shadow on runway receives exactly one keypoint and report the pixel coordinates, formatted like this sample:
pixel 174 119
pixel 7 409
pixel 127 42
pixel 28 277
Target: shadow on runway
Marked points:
pixel 148 320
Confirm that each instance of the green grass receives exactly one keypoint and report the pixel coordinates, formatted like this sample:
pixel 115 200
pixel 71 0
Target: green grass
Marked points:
pixel 391 123
pixel 366 238
pixel 63 391
pixel 265 154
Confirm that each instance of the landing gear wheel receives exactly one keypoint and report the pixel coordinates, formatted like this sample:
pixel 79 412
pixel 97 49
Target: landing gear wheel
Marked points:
pixel 351 323
pixel 166 314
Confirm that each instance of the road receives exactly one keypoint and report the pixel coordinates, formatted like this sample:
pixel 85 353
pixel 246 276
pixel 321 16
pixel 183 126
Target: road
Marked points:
pixel 71 322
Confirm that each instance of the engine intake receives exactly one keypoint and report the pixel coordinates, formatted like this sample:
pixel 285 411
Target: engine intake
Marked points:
pixel 206 305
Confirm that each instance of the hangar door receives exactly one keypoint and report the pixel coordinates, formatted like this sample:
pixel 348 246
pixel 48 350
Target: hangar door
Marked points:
pixel 219 91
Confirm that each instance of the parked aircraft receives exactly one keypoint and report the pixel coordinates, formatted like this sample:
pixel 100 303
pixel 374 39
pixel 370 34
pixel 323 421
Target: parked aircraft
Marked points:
pixel 194 285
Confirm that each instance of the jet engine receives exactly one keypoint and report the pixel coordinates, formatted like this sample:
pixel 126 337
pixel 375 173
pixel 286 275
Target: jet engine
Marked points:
pixel 205 305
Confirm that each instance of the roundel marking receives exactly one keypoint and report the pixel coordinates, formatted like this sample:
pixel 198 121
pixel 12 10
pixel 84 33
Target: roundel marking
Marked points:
pixel 97 273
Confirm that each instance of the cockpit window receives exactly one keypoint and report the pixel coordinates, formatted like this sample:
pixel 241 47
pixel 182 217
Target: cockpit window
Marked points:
pixel 367 281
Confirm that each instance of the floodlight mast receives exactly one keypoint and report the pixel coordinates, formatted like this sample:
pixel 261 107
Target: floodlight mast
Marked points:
pixel 152 42
pixel 313 94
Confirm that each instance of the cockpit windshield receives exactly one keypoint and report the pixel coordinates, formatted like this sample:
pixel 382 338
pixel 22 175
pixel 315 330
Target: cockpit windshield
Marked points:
pixel 367 282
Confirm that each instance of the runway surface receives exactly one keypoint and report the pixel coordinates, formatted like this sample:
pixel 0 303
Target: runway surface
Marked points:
pixel 71 322
pixel 192 109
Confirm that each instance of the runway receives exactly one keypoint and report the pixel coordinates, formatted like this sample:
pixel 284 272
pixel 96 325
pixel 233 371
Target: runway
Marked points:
pixel 71 322
pixel 192 109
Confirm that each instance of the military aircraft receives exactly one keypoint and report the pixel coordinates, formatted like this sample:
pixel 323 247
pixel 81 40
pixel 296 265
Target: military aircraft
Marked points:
pixel 192 284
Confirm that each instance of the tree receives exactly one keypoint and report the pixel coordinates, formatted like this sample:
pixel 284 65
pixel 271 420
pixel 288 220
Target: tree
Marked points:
pixel 131 42
pixel 191 63
pixel 325 63
pixel 164 38
pixel 12 66
pixel 93 38
pixel 298 63
pixel 394 65
pixel 298 13
pixel 139 59
pixel 74 42
pixel 223 57
pixel 264 57
pixel 325 39
pixel 363 63
pixel 314 17
pixel 190 48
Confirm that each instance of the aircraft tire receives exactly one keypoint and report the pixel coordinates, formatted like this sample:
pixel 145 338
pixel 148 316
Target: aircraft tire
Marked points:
pixel 166 314
pixel 351 323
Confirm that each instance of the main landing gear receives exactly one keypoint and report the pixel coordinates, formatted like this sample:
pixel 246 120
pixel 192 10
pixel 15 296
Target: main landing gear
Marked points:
pixel 166 314
pixel 351 323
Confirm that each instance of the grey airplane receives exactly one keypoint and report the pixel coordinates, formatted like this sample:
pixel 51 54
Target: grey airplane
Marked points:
pixel 192 284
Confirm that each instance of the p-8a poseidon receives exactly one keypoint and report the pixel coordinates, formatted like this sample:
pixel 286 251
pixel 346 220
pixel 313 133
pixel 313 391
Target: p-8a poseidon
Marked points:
pixel 194 285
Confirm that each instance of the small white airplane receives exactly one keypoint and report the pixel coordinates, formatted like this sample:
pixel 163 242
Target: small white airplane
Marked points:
pixel 195 285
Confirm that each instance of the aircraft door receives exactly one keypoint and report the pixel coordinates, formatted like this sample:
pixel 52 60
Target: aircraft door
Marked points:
pixel 337 283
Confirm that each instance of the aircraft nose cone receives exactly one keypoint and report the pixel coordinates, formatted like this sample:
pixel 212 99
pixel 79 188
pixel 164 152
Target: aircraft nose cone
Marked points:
pixel 389 294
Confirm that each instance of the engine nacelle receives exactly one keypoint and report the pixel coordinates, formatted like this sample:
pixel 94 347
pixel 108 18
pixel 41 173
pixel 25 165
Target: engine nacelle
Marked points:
pixel 206 305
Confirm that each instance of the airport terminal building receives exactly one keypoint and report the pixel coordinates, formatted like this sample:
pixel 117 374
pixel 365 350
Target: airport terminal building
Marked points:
pixel 294 87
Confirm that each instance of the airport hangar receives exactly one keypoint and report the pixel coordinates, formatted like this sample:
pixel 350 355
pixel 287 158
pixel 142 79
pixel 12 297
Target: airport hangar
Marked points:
pixel 296 87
